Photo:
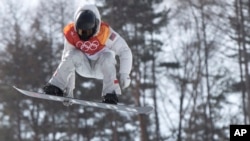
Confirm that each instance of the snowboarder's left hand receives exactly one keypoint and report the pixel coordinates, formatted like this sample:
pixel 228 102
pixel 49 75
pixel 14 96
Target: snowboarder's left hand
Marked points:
pixel 124 80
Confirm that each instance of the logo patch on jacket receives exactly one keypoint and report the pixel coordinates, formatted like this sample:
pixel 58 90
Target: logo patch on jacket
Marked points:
pixel 112 36
pixel 89 47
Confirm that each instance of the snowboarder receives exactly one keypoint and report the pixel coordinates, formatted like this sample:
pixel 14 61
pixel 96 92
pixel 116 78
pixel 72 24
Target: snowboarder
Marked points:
pixel 90 48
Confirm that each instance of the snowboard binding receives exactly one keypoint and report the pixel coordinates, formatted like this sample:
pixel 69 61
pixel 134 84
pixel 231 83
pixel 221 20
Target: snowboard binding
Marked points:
pixel 110 98
pixel 52 90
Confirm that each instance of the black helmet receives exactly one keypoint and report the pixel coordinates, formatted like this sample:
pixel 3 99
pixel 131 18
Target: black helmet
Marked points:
pixel 86 24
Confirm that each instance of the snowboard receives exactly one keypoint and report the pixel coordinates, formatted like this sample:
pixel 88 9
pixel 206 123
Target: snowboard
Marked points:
pixel 118 107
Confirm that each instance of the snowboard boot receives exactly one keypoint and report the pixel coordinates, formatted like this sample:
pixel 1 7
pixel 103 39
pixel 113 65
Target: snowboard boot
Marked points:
pixel 110 98
pixel 52 90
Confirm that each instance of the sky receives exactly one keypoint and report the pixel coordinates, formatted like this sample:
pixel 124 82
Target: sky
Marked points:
pixel 32 3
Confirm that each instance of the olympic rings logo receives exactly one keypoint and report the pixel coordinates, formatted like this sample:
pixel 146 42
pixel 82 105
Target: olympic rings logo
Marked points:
pixel 87 45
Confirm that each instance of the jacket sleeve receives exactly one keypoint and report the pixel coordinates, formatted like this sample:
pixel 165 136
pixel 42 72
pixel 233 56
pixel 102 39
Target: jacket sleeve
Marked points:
pixel 122 50
pixel 67 48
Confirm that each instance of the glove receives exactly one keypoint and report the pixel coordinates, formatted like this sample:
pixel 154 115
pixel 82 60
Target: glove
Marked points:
pixel 124 80
pixel 67 103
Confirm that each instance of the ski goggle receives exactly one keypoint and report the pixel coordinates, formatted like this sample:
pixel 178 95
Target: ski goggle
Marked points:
pixel 85 34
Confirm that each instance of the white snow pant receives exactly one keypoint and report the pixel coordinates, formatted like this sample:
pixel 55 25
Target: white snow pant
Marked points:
pixel 76 61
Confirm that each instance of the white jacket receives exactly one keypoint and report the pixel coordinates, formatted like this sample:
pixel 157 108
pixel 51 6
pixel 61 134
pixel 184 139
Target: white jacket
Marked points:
pixel 115 43
pixel 73 56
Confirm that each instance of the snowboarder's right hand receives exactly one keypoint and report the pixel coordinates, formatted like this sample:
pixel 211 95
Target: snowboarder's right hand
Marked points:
pixel 52 90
